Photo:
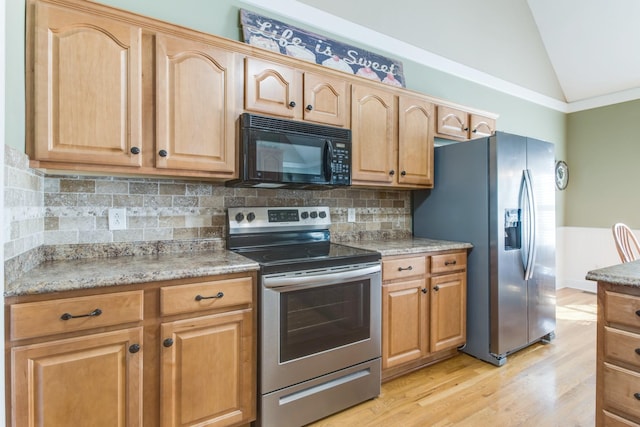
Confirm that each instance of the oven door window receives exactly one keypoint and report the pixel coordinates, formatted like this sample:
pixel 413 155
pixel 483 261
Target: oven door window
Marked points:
pixel 288 158
pixel 318 319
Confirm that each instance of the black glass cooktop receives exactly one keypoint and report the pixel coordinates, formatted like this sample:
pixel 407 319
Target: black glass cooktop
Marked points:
pixel 307 256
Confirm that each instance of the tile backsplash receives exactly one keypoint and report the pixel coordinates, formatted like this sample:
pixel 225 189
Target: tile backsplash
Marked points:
pixel 44 210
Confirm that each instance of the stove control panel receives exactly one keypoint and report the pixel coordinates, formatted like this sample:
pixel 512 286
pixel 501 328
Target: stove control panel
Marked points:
pixel 260 219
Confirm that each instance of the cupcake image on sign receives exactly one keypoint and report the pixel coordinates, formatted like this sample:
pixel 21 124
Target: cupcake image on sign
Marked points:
pixel 337 64
pixel 264 43
pixel 391 80
pixel 368 73
pixel 300 53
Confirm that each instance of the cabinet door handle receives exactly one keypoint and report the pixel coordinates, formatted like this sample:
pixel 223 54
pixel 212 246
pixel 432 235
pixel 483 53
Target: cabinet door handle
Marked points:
pixel 200 297
pixel 292 104
pixel 163 153
pixel 94 313
pixel 436 288
pixel 168 342
pixel 309 107
pixel 637 351
pixel 134 348
pixel 450 262
pixel 637 312
pixel 405 268
pixel 135 150
pixel 424 290
pixel 636 395
pixel 392 172
pixel 403 173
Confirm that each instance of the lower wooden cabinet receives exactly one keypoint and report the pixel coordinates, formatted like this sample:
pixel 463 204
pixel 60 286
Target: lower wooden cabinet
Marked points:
pixel 92 380
pixel 423 310
pixel 86 358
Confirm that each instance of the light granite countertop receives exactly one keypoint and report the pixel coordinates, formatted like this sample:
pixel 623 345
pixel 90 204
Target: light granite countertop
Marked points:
pixel 627 274
pixel 409 246
pixel 65 275
pixel 86 273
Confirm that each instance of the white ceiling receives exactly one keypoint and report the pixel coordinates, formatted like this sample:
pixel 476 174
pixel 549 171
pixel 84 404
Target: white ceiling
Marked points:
pixel 565 54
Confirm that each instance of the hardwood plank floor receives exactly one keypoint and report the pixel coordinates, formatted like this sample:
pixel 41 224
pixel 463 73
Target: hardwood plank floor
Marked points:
pixel 544 385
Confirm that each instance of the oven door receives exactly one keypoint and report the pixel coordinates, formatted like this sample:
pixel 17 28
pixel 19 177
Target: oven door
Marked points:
pixel 317 322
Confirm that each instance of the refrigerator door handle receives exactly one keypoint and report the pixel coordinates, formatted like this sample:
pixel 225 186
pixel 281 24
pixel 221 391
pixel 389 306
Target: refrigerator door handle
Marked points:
pixel 530 227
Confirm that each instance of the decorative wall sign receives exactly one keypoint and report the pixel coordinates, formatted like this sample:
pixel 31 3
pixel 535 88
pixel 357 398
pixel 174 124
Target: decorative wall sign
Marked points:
pixel 280 37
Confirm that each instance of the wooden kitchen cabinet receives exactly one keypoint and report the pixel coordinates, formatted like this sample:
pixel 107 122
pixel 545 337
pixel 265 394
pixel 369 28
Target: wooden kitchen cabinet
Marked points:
pixel 207 362
pixel 462 125
pixel 195 96
pixel 87 92
pixel 280 90
pixel 196 366
pixel 392 137
pixel 423 310
pixel 618 357
pixel 90 379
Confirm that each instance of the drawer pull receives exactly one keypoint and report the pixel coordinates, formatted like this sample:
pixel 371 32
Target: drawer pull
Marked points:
pixel 636 395
pixel 218 295
pixel 450 262
pixel 67 316
pixel 405 268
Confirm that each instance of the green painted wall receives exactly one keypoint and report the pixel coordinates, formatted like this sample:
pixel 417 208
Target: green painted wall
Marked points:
pixel 603 154
pixel 221 17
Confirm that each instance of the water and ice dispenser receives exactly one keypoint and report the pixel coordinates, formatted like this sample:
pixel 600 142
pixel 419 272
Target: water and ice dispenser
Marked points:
pixel 512 229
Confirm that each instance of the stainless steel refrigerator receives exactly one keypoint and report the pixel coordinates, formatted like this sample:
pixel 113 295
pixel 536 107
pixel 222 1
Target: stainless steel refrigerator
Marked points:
pixel 498 193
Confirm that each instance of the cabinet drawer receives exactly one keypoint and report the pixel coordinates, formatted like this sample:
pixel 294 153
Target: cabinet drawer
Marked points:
pixel 205 295
pixel 622 386
pixel 403 267
pixel 612 420
pixel 43 318
pixel 622 309
pixel 448 262
pixel 622 346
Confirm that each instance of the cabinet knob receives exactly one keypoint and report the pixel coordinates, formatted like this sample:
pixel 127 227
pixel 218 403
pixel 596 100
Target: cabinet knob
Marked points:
pixel 637 312
pixel 134 348
pixel 403 173
pixel 392 172
pixel 309 107
pixel 424 290
pixel 474 131
pixel 436 288
pixel 466 129
pixel 135 150
pixel 168 342
pixel 292 104
pixel 637 350
pixel 163 153
pixel 636 395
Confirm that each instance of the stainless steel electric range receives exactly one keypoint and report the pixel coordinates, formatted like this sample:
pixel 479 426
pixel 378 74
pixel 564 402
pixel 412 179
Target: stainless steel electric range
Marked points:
pixel 320 311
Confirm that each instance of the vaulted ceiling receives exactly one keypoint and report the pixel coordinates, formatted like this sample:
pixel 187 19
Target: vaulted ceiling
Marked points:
pixel 566 54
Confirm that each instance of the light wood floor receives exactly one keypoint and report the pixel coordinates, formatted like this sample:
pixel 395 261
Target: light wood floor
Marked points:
pixel 544 385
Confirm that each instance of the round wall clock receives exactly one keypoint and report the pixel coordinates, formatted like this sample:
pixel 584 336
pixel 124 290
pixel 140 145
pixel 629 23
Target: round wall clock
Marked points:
pixel 562 175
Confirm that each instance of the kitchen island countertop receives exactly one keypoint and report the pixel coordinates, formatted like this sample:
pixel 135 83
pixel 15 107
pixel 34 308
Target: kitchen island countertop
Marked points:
pixel 626 274
pixel 408 246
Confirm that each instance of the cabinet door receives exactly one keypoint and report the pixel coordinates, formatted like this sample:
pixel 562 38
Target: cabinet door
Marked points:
pixel 94 380
pixel 326 100
pixel 404 322
pixel 452 122
pixel 272 88
pixel 195 106
pixel 207 374
pixel 87 94
pixel 448 327
pixel 373 127
pixel 415 141
pixel 482 126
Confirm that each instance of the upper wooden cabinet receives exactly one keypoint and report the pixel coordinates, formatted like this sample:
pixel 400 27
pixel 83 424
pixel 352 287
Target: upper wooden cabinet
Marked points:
pixel 194 106
pixel 284 91
pixel 87 89
pixel 392 138
pixel 462 125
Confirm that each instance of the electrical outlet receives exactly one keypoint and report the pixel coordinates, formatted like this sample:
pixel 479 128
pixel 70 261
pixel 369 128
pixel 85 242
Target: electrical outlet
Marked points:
pixel 351 215
pixel 117 219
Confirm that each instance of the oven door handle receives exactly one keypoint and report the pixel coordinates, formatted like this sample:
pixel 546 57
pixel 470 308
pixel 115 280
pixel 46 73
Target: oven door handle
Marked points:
pixel 323 278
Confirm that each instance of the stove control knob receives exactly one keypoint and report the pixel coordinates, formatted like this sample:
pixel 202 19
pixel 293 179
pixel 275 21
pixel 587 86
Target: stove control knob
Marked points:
pixel 251 216
pixel 314 214
pixel 239 217
pixel 304 215
pixel 322 214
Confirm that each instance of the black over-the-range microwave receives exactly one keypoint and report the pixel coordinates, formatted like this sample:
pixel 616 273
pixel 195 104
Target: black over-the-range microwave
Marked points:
pixel 281 153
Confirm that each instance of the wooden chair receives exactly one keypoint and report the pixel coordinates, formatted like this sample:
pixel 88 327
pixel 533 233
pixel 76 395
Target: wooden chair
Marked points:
pixel 626 242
